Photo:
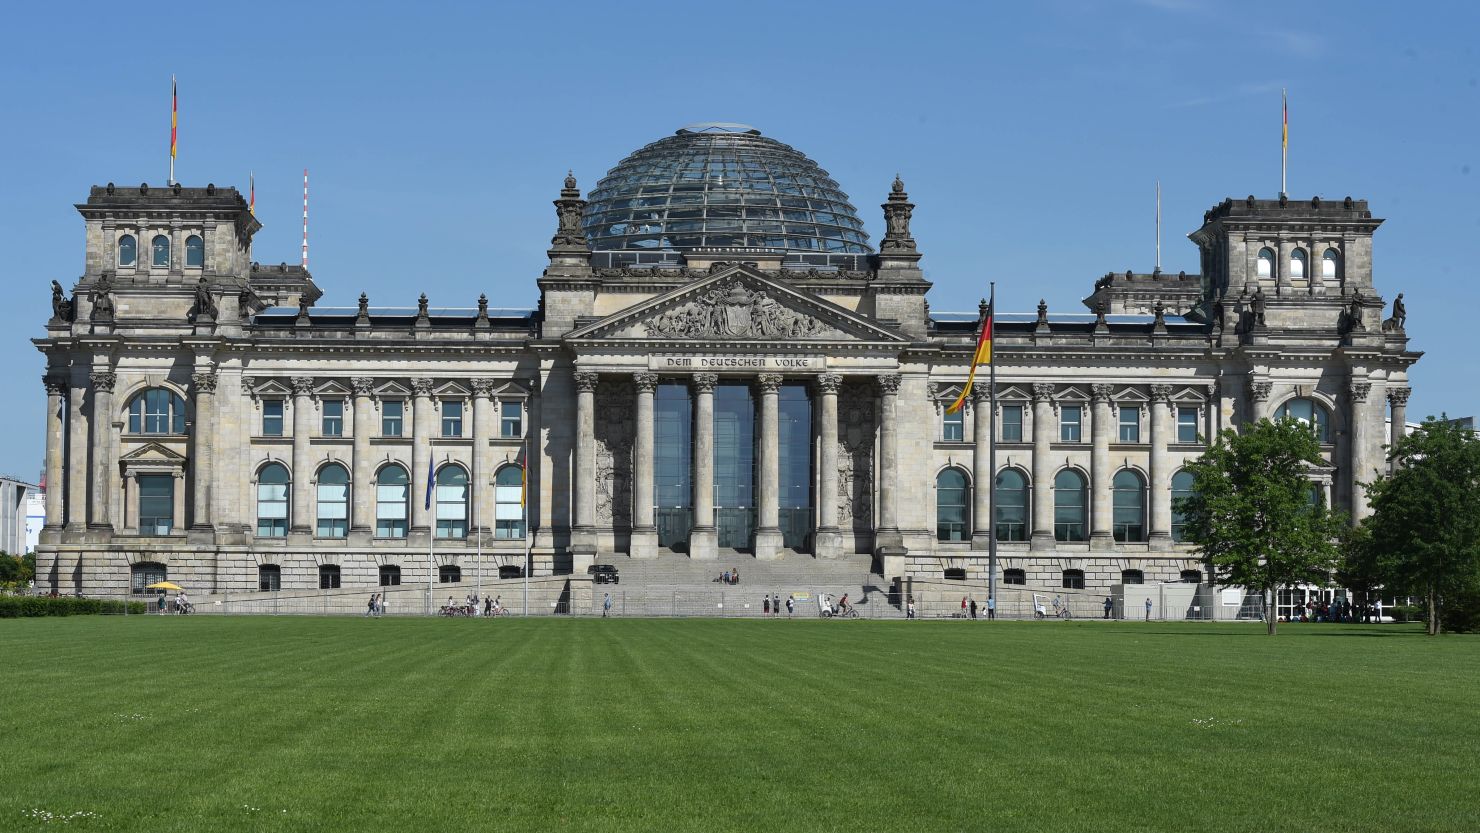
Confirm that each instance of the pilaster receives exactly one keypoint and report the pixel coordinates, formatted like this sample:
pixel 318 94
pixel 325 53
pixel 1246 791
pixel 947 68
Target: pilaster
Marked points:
pixel 644 541
pixel 768 529
pixel 829 539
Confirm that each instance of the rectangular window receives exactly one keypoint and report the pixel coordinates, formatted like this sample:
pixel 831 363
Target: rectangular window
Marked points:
pixel 156 504
pixel 391 414
pixel 333 423
pixel 1186 425
pixel 511 419
pixel 452 418
pixel 1069 417
pixel 953 426
pixel 1012 423
pixel 1130 425
pixel 272 417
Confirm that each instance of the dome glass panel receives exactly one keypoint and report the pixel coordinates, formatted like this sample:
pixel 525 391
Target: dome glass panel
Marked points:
pixel 721 184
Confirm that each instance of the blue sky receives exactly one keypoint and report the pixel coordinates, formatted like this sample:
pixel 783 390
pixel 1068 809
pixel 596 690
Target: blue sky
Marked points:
pixel 1030 136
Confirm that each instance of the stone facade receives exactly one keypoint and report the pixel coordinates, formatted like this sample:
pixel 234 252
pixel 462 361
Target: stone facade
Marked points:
pixel 176 392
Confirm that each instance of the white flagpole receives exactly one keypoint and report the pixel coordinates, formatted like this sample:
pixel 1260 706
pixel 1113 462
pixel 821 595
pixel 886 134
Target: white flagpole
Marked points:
pixel 524 498
pixel 1284 139
pixel 432 532
pixel 1158 225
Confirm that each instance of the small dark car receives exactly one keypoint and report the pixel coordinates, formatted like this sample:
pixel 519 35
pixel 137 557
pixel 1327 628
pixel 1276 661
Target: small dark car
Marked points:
pixel 603 573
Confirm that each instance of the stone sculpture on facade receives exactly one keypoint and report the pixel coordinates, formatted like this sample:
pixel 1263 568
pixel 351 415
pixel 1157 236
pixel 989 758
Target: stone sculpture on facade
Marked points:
pixel 102 299
pixel 205 302
pixel 897 211
pixel 568 210
pixel 1256 306
pixel 1400 315
pixel 734 311
pixel 61 308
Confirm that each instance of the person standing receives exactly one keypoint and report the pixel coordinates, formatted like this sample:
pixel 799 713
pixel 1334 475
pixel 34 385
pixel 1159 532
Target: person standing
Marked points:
pixel 1108 605
pixel 606 605
pixel 973 607
pixel 1377 609
pixel 776 605
pixel 909 611
pixel 791 604
pixel 765 605
pixel 1148 608
pixel 991 608
pixel 963 607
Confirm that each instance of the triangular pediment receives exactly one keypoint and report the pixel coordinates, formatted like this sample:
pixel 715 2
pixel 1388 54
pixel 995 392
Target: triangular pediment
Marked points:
pixel 392 389
pixel 1126 395
pixel 1188 396
pixel 738 305
pixel 1013 392
pixel 452 389
pixel 152 453
pixel 1070 394
pixel 266 386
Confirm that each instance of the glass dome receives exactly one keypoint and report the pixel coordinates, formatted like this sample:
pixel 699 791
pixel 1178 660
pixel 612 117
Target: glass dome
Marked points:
pixel 719 184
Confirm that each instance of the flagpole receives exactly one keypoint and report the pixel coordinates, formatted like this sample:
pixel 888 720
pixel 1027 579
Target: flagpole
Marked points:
pixel 992 450
pixel 1284 138
pixel 524 499
pixel 432 532
pixel 478 533
pixel 1158 225
pixel 174 124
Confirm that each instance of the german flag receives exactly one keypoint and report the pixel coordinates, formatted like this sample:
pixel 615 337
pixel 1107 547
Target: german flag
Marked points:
pixel 982 356
pixel 174 117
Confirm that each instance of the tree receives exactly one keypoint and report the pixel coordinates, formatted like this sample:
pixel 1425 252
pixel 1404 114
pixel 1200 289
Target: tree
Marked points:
pixel 1254 513
pixel 1426 519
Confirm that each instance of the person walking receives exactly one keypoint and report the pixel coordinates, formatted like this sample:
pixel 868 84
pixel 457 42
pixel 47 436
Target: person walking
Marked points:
pixel 1108 605
pixel 606 605
pixel 791 605
pixel 1148 608
pixel 991 608
pixel 370 606
pixel 909 611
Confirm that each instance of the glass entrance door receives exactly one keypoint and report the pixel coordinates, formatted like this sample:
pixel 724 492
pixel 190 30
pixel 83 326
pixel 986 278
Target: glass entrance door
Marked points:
pixel 734 465
pixel 795 467
pixel 673 454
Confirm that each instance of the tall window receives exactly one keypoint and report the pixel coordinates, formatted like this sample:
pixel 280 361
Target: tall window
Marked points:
pixel 328 576
pixel 1181 490
pixel 391 492
pixel 1297 265
pixel 272 501
pixel 333 423
pixel 156 504
pixel 950 506
pixel 1130 425
pixel 1186 424
pixel 1069 424
pixel 272 417
pixel 390 575
pixel 1329 264
pixel 161 248
pixel 195 251
pixel 1266 263
pixel 672 464
pixel 392 413
pixel 128 250
pixel 1068 506
pixel 734 464
pixel 269 578
pixel 452 502
pixel 511 419
pixel 452 414
pixel 145 573
pixel 1012 506
pixel 1012 423
pixel 156 411
pixel 1311 413
pixel 794 430
pixel 508 507
pixel 333 502
pixel 953 426
pixel 1073 579
pixel 1128 491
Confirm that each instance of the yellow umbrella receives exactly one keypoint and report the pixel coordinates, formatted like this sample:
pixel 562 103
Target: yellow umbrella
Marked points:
pixel 163 585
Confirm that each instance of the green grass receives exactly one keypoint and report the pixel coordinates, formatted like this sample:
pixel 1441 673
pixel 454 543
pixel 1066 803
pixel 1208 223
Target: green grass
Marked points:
pixel 266 724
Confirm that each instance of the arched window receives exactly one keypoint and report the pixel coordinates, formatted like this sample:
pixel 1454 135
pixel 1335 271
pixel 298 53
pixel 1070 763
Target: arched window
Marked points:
pixel 1012 506
pixel 161 248
pixel 195 251
pixel 1014 576
pixel 128 250
pixel 1132 577
pixel 508 502
pixel 1266 263
pixel 1191 577
pixel 390 575
pixel 156 411
pixel 950 506
pixel 328 576
pixel 269 578
pixel 272 501
pixel 333 494
pixel 145 573
pixel 1297 265
pixel 1068 506
pixel 392 486
pixel 1330 264
pixel 452 502
pixel 1074 579
pixel 1129 494
pixel 953 426
pixel 1311 413
pixel 1181 490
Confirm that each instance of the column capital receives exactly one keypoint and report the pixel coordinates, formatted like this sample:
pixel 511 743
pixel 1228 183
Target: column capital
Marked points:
pixel 829 382
pixel 1101 392
pixel 1260 390
pixel 1396 396
pixel 1360 390
pixel 981 393
pixel 705 382
pixel 54 384
pixel 645 381
pixel 1042 391
pixel 421 387
pixel 1161 393
pixel 363 385
pixel 482 386
pixel 585 380
pixel 768 382
pixel 204 381
pixel 888 383
pixel 302 385
pixel 103 380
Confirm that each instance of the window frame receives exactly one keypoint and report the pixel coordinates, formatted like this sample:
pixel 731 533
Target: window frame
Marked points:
pixel 1179 520
pixel 155 249
pixel 1299 256
pixel 1066 427
pixel 449 421
pixel 1138 575
pixel 143 573
pixel 1123 529
pixel 1320 416
pixel 286 500
pixel 953 424
pixel 450 527
pixel 331 418
pixel 195 252
pixel 505 420
pixel 1017 423
pixel 1015 576
pixel 331 577
pixel 269 578
pixel 390 575
pixel 332 527
pixel 1264 263
pixel 507 528
pixel 948 529
pixel 143 413
pixel 133 245
pixel 1072 579
pixel 1006 530
pixel 159 524
pixel 386 526
pixel 281 416
pixel 446 570
pixel 1134 425
pixel 1065 531
pixel 399 418
pixel 1195 423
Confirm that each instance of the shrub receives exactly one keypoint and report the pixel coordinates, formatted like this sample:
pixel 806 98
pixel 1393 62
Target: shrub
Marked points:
pixel 12 607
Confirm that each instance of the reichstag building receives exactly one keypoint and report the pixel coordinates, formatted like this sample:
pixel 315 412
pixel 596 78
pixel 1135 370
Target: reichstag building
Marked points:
pixel 721 366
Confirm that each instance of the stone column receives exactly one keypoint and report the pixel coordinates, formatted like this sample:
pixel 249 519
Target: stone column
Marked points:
pixel 77 470
pixel 202 449
pixel 644 542
pixel 703 537
pixel 131 503
pixel 1100 506
pixel 1160 503
pixel 56 444
pixel 177 506
pixel 1397 398
pixel 362 485
pixel 101 516
pixel 829 539
pixel 1361 468
pixel 1259 390
pixel 888 533
pixel 302 509
pixel 422 417
pixel 1043 429
pixel 981 467
pixel 482 461
pixel 768 501
pixel 583 532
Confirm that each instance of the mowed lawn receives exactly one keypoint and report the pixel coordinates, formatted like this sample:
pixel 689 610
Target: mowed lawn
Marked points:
pixel 265 724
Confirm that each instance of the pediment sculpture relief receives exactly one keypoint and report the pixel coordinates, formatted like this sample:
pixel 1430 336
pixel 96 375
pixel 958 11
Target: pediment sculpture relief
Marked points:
pixel 734 311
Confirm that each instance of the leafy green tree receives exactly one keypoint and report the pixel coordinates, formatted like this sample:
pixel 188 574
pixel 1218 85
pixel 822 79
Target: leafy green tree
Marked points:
pixel 1426 517
pixel 1254 512
pixel 1359 567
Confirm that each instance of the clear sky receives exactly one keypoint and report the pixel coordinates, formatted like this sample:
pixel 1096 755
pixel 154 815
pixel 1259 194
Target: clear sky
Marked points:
pixel 1030 136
